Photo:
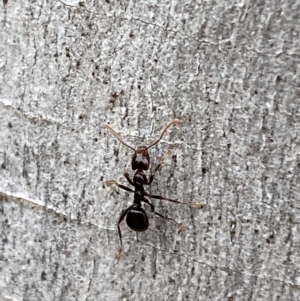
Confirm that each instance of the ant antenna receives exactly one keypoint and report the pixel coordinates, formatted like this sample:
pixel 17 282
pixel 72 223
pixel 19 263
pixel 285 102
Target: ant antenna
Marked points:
pixel 175 121
pixel 118 137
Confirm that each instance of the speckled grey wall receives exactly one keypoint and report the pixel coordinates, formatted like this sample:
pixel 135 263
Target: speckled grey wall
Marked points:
pixel 229 70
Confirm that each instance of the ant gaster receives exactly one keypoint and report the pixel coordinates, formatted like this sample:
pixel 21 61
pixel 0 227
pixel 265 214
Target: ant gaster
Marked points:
pixel 136 217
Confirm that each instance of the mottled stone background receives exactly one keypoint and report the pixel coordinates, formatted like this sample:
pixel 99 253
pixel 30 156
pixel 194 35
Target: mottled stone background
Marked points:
pixel 229 70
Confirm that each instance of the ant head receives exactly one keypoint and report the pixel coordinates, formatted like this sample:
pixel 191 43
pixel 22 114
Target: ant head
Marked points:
pixel 140 159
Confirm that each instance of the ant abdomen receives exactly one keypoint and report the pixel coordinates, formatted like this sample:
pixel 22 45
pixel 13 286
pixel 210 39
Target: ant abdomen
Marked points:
pixel 137 219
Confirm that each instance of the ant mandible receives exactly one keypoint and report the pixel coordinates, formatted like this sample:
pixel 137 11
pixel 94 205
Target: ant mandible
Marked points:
pixel 136 217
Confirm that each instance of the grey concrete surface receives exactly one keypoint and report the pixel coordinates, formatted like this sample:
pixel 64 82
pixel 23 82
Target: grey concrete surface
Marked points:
pixel 229 70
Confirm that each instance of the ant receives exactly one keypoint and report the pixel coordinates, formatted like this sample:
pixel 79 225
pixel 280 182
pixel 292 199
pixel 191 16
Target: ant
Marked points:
pixel 136 217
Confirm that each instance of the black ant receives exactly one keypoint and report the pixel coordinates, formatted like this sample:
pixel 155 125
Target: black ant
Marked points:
pixel 136 217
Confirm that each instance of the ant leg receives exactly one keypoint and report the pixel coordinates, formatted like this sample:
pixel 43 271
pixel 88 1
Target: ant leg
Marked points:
pixel 190 204
pixel 165 217
pixel 152 175
pixel 126 175
pixel 113 182
pixel 122 216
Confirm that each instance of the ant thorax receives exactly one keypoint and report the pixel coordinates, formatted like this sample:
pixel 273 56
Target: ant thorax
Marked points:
pixel 139 178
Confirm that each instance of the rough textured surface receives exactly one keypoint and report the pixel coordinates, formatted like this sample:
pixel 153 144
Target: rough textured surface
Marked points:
pixel 229 70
